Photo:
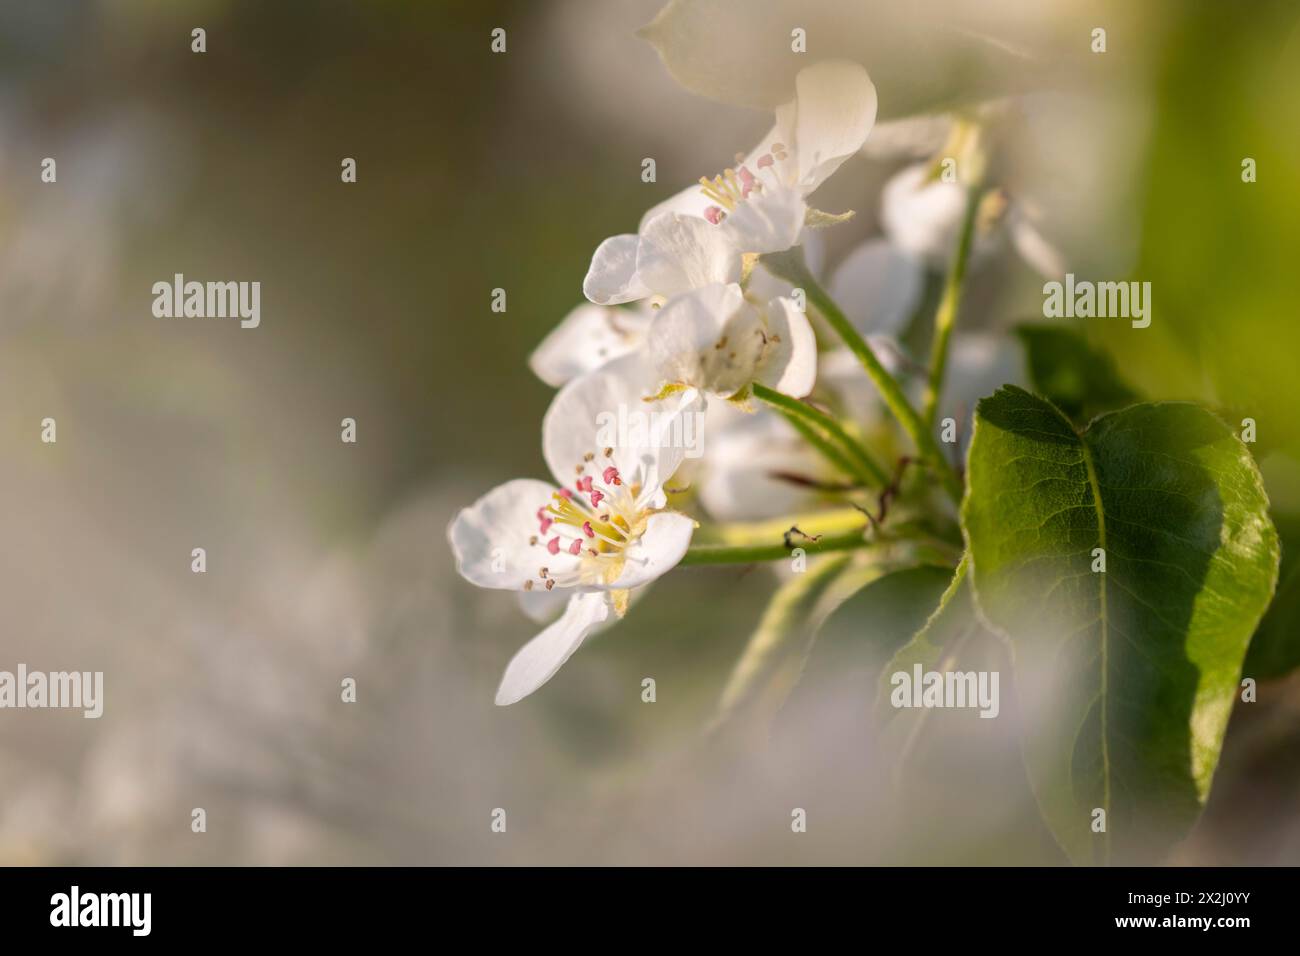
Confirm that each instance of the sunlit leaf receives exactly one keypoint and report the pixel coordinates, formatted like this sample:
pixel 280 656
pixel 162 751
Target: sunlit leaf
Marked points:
pixel 1126 676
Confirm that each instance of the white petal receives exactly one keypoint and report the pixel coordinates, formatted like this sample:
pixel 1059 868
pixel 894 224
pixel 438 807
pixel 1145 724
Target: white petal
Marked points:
pixel 539 659
pixel 923 216
pixel 879 286
pixel 543 606
pixel 770 220
pixel 1034 247
pixel 657 551
pixel 744 450
pixel 692 201
pixel 607 408
pixel 914 137
pixel 586 339
pixel 835 105
pixel 490 538
pixel 684 340
pixel 689 202
pixel 612 277
pixel 790 361
pixel 679 253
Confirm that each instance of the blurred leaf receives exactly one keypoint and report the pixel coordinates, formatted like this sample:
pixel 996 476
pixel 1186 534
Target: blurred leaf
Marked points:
pixel 762 676
pixel 1126 677
pixel 874 615
pixel 881 614
pixel 1074 375
pixel 949 621
pixel 838 614
pixel 1219 252
pixel 1275 648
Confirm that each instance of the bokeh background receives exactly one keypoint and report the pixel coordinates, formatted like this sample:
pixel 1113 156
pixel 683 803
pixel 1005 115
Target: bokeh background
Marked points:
pixel 328 560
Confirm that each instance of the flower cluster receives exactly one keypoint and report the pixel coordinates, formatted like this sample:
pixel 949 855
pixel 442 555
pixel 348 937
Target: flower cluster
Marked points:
pixel 691 315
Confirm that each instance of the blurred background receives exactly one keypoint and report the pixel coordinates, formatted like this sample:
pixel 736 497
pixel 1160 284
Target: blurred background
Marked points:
pixel 329 560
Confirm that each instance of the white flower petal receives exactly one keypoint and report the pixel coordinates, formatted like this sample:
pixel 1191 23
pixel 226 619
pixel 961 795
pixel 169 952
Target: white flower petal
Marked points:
pixel 914 137
pixel 879 286
pixel 790 360
pixel 612 277
pixel 490 538
pixel 835 105
pixel 691 201
pixel 923 216
pixel 663 543
pixel 770 220
pixel 607 409
pixel 1033 246
pixel 586 339
pixel 678 253
pixel 708 338
pixel 543 606
pixel 539 659
pixel 744 450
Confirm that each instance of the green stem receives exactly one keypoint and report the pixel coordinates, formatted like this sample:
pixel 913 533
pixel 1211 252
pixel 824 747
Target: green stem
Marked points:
pixel 724 554
pixel 865 467
pixel 818 441
pixel 791 267
pixel 745 542
pixel 946 315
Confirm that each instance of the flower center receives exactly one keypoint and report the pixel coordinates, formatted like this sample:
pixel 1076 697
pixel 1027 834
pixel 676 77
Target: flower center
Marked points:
pixel 595 522
pixel 733 186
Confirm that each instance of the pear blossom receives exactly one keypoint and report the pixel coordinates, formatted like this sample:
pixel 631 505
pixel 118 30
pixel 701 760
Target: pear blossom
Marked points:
pixel 709 233
pixel 1060 162
pixel 923 215
pixel 717 340
pixel 600 529
pixel 587 338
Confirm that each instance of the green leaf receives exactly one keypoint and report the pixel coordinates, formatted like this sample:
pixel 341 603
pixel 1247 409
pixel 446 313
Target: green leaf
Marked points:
pixel 1275 648
pixel 1125 677
pixel 945 626
pixel 839 615
pixel 878 610
pixel 883 613
pixel 770 664
pixel 1074 375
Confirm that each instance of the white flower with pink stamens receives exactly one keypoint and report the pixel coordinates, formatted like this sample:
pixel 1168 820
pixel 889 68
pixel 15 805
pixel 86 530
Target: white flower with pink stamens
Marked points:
pixel 719 341
pixel 598 532
pixel 702 235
